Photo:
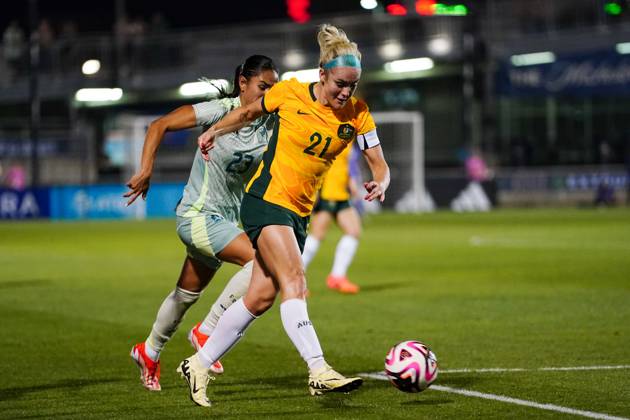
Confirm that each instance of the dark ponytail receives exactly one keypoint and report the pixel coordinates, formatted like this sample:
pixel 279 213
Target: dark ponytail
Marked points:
pixel 253 66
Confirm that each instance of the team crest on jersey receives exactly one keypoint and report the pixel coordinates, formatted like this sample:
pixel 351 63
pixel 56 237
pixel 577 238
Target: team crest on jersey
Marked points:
pixel 345 132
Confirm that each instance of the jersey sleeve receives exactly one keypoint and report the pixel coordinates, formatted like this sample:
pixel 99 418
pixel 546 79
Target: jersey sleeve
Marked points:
pixel 364 120
pixel 274 97
pixel 209 112
pixel 366 128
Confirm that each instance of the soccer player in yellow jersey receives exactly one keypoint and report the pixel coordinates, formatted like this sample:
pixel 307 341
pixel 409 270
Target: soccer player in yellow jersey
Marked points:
pixel 317 122
pixel 334 202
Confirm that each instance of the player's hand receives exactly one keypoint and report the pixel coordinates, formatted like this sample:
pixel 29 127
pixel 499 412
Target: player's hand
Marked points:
pixel 206 142
pixel 138 186
pixel 374 191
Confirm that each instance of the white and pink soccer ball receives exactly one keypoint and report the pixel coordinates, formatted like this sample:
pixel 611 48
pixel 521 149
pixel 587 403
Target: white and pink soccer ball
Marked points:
pixel 411 366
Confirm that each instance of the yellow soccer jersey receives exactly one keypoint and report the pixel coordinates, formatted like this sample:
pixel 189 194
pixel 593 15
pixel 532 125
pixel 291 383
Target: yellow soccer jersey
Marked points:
pixel 306 140
pixel 335 186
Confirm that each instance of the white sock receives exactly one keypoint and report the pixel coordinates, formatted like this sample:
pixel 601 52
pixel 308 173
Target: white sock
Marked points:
pixel 229 330
pixel 346 248
pixel 167 320
pixel 233 291
pixel 301 332
pixel 310 249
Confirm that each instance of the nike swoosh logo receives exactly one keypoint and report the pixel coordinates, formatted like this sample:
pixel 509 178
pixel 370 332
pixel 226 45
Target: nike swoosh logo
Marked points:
pixel 185 369
pixel 300 112
pixel 195 389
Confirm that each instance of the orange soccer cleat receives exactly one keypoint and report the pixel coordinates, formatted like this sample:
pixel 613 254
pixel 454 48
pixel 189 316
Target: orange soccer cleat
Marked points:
pixel 342 284
pixel 197 340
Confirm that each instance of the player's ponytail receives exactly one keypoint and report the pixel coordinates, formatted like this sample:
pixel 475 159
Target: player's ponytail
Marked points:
pixel 253 66
pixel 334 42
pixel 235 89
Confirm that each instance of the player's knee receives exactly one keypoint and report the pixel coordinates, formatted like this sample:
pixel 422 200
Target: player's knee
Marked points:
pixel 355 233
pixel 295 284
pixel 319 235
pixel 318 230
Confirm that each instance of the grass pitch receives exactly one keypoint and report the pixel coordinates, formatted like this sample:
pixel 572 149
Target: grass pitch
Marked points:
pixel 509 289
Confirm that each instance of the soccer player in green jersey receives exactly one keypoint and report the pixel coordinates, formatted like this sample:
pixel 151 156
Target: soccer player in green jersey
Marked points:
pixel 208 214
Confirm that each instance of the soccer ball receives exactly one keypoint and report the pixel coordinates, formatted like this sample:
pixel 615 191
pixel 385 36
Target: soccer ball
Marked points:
pixel 411 366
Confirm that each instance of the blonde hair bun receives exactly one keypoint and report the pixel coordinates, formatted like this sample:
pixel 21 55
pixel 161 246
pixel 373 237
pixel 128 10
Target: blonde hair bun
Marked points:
pixel 334 42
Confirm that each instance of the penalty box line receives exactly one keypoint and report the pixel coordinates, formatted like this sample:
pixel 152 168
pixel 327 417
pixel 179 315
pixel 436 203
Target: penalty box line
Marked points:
pixel 501 398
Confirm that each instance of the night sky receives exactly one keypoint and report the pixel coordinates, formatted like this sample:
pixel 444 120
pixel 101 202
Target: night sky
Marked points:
pixel 98 16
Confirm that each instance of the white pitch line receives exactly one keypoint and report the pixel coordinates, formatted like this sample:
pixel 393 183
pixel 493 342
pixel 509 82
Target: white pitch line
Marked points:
pixel 526 403
pixel 501 370
pixel 542 369
pixel 549 407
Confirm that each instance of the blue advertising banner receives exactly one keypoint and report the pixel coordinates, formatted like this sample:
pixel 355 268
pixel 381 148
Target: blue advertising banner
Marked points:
pixel 163 198
pixel 596 73
pixel 93 202
pixel 32 203
pixel 88 202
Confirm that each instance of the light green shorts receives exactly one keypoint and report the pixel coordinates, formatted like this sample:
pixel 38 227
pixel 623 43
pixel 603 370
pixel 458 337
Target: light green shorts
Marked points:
pixel 205 236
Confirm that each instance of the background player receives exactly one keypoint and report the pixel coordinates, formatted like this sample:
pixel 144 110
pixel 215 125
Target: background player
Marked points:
pixel 334 203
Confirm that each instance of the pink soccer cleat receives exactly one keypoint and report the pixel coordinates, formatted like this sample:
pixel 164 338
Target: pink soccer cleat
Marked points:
pixel 149 370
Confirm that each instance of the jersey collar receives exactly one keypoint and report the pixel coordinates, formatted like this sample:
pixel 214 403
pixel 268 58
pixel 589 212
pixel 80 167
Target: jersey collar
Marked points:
pixel 311 90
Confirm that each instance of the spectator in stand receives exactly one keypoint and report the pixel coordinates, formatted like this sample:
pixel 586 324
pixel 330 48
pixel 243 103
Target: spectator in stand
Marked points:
pixel 16 177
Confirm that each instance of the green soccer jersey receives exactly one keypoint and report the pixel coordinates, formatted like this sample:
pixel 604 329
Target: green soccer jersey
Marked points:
pixel 217 186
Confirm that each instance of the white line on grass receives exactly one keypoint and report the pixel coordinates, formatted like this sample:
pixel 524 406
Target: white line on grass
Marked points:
pixel 550 407
pixel 534 242
pixel 510 400
pixel 501 370
pixel 542 369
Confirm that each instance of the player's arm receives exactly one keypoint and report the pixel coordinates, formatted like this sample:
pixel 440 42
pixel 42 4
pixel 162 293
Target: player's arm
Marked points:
pixel 370 146
pixel 233 121
pixel 181 118
pixel 380 174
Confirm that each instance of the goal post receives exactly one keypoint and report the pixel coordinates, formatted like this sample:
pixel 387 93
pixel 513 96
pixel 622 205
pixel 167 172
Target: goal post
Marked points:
pixel 402 138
